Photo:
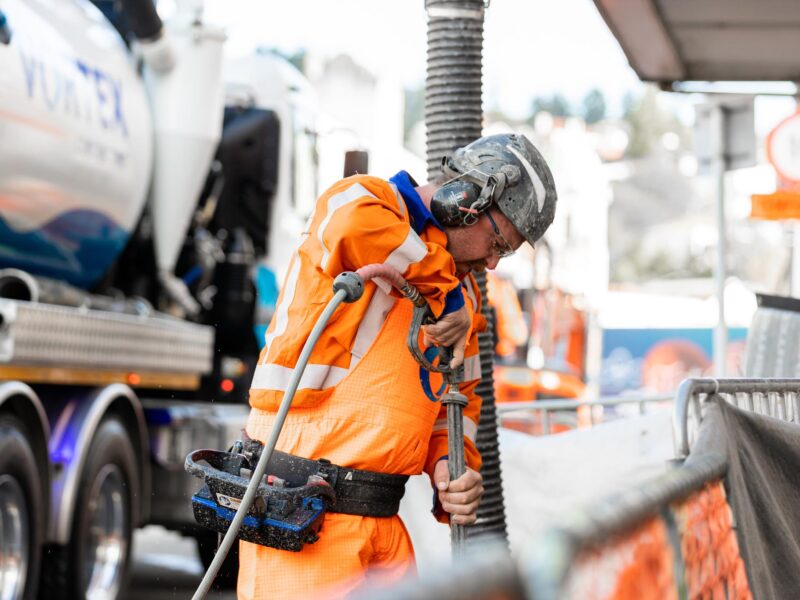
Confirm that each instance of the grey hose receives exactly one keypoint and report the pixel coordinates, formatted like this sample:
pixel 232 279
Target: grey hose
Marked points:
pixel 340 296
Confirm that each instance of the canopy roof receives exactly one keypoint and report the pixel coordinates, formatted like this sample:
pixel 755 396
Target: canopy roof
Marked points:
pixel 707 40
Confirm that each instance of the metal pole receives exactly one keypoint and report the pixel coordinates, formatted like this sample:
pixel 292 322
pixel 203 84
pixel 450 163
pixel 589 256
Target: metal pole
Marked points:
pixel 795 289
pixel 455 402
pixel 796 259
pixel 721 329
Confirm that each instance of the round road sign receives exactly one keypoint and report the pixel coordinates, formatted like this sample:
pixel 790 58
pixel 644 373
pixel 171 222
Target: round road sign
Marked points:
pixel 783 148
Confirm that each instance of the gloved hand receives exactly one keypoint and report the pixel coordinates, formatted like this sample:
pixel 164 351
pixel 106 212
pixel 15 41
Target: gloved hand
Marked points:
pixel 461 497
pixel 453 329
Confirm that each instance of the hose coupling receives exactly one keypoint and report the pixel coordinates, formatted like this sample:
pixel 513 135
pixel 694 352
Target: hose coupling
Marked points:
pixel 351 283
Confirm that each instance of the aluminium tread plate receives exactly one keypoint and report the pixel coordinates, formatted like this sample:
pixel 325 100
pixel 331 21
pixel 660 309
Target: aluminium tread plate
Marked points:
pixel 50 335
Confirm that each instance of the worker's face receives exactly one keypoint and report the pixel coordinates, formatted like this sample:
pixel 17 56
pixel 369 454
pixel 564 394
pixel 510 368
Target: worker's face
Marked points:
pixel 479 247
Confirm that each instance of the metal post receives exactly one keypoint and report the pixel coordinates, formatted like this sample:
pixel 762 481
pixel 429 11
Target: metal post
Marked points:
pixel 721 329
pixel 795 289
pixel 795 259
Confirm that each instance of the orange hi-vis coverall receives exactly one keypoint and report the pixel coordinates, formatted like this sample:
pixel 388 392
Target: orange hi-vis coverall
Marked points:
pixel 361 401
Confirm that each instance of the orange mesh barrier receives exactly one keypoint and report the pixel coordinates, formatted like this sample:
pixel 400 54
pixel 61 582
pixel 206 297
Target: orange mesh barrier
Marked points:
pixel 638 565
pixel 713 565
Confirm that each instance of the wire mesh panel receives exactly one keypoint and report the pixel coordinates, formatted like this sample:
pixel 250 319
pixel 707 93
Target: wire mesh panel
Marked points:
pixel 713 566
pixel 678 541
pixel 638 565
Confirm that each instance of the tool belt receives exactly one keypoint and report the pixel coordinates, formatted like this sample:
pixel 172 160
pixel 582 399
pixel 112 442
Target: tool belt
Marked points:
pixel 358 492
pixel 293 497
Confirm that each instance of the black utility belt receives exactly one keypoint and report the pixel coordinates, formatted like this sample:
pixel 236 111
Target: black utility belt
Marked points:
pixel 292 498
pixel 358 492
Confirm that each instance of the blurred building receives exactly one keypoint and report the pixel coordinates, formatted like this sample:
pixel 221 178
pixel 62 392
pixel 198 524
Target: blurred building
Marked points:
pixel 363 110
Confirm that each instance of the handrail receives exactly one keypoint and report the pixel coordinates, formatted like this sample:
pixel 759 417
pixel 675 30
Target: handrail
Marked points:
pixel 579 402
pixel 545 407
pixel 691 390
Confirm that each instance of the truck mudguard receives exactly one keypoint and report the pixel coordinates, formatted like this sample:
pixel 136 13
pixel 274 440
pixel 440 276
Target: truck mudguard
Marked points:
pixel 74 421
pixel 20 400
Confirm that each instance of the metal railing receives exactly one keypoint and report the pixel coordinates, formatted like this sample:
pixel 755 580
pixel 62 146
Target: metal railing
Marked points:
pixel 779 398
pixel 544 409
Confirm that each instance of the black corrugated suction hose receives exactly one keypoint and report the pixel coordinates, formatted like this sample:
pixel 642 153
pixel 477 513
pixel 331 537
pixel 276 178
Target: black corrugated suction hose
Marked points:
pixel 453 118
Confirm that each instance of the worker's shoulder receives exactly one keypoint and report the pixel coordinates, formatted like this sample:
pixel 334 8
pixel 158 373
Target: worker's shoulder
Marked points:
pixel 362 185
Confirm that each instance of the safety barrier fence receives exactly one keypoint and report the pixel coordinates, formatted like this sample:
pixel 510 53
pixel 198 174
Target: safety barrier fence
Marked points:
pixel 670 537
pixel 543 417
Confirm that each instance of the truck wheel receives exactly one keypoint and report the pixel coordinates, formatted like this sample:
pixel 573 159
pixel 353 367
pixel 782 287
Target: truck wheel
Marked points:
pixel 207 542
pixel 21 517
pixel 95 565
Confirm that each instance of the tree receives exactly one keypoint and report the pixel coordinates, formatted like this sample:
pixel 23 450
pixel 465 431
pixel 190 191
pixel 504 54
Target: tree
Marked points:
pixel 593 107
pixel 648 122
pixel 297 58
pixel 414 109
pixel 557 105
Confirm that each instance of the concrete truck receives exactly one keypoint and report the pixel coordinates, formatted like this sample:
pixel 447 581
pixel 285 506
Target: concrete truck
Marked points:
pixel 147 193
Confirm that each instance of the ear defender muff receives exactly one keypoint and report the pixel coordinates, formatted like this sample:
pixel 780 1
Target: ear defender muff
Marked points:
pixel 453 204
pixel 460 201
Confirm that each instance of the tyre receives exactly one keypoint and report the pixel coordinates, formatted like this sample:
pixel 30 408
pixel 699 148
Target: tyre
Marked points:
pixel 22 517
pixel 207 543
pixel 95 564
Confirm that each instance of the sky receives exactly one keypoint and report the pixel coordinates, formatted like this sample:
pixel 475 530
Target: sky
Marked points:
pixel 531 47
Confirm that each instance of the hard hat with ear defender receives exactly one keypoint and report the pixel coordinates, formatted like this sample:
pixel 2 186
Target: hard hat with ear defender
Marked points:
pixel 505 170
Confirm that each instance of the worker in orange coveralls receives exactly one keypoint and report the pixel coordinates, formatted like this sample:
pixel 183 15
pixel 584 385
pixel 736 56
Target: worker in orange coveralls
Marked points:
pixel 510 328
pixel 363 403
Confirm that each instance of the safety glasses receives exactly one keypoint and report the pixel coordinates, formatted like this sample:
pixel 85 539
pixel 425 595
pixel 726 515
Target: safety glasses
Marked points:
pixel 501 246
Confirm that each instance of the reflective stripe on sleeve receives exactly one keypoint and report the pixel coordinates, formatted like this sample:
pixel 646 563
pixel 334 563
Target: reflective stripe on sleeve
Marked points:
pixel 400 202
pixel 282 311
pixel 335 202
pixel 315 377
pixel 472 367
pixel 470 428
pixel 412 250
pixel 370 325
pixel 471 291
